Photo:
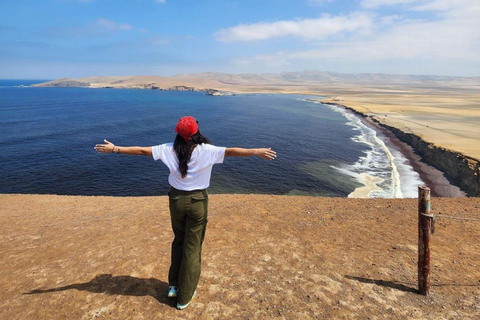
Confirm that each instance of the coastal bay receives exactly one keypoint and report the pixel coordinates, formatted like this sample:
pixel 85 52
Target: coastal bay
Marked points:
pixel 49 133
pixel 441 112
pixel 325 150
pixel 444 110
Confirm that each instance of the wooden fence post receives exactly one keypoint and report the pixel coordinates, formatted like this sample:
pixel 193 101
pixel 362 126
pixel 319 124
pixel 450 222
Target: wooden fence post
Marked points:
pixel 424 233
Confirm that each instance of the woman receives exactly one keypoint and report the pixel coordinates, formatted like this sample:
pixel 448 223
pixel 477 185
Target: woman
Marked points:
pixel 190 160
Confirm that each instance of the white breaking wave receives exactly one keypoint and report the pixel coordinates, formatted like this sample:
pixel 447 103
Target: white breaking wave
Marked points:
pixel 397 192
pixel 384 172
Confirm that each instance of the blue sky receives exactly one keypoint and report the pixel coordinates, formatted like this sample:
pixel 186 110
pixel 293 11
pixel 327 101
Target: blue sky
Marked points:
pixel 48 39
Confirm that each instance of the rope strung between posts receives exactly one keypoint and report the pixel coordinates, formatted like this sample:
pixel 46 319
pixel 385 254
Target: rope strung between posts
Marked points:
pixel 441 216
pixel 456 218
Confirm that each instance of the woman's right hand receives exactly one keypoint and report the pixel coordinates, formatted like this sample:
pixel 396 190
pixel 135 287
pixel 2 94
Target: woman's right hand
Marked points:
pixel 108 147
pixel 266 153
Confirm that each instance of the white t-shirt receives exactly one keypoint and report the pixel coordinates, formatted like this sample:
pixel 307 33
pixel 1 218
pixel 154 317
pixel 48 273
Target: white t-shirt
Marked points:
pixel 204 156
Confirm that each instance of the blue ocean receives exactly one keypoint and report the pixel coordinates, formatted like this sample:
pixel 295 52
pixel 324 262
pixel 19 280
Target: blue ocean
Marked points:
pixel 47 137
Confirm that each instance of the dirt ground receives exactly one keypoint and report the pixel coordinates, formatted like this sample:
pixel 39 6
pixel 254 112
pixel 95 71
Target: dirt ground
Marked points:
pixel 286 257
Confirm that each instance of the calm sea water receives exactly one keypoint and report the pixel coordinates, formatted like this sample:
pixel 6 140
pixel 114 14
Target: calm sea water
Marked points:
pixel 47 137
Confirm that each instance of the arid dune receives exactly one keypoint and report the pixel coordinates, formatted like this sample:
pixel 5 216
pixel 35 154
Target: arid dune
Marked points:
pixel 287 257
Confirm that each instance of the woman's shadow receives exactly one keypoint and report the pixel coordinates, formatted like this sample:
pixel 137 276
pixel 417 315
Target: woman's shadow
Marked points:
pixel 119 285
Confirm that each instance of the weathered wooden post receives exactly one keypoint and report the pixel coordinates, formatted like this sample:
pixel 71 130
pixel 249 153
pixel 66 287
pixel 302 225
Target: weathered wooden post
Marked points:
pixel 424 233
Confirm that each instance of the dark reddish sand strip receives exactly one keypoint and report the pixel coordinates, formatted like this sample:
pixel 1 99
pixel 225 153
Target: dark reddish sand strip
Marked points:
pixel 433 178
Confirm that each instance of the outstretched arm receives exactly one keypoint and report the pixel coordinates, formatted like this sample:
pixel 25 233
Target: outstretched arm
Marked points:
pixel 109 147
pixel 264 153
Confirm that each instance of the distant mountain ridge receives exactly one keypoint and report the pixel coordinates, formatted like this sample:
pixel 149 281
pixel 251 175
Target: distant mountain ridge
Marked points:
pixel 213 80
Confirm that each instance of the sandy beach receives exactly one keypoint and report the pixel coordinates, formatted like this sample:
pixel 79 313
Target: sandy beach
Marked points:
pixel 287 257
pixel 432 177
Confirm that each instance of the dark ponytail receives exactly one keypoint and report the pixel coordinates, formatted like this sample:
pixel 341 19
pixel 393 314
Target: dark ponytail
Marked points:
pixel 184 150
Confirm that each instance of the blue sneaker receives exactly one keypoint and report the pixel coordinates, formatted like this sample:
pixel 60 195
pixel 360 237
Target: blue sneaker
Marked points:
pixel 172 292
pixel 183 306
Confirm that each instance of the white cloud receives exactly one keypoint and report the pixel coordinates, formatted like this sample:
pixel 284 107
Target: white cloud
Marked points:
pixel 307 29
pixel 159 42
pixel 160 1
pixel 420 5
pixel 318 2
pixel 388 20
pixel 449 6
pixel 109 25
pixel 433 6
pixel 98 28
pixel 379 3
pixel 450 41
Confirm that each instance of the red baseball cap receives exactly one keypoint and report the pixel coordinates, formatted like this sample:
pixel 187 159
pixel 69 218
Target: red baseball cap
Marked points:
pixel 186 128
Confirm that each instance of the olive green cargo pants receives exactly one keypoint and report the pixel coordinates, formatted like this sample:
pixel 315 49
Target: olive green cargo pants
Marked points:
pixel 188 212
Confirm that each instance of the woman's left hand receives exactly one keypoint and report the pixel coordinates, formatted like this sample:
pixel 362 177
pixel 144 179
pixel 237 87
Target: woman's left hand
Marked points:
pixel 105 148
pixel 266 153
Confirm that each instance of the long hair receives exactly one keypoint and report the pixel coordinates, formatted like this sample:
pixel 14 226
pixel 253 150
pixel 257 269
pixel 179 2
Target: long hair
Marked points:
pixel 184 150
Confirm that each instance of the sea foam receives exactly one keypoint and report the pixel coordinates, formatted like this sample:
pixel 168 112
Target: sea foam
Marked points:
pixel 384 172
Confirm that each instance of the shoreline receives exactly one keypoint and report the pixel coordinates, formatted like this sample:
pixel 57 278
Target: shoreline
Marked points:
pixel 371 182
pixel 463 170
pixel 433 178
pixel 430 169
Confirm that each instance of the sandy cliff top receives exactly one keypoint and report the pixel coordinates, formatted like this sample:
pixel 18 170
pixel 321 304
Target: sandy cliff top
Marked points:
pixel 65 257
